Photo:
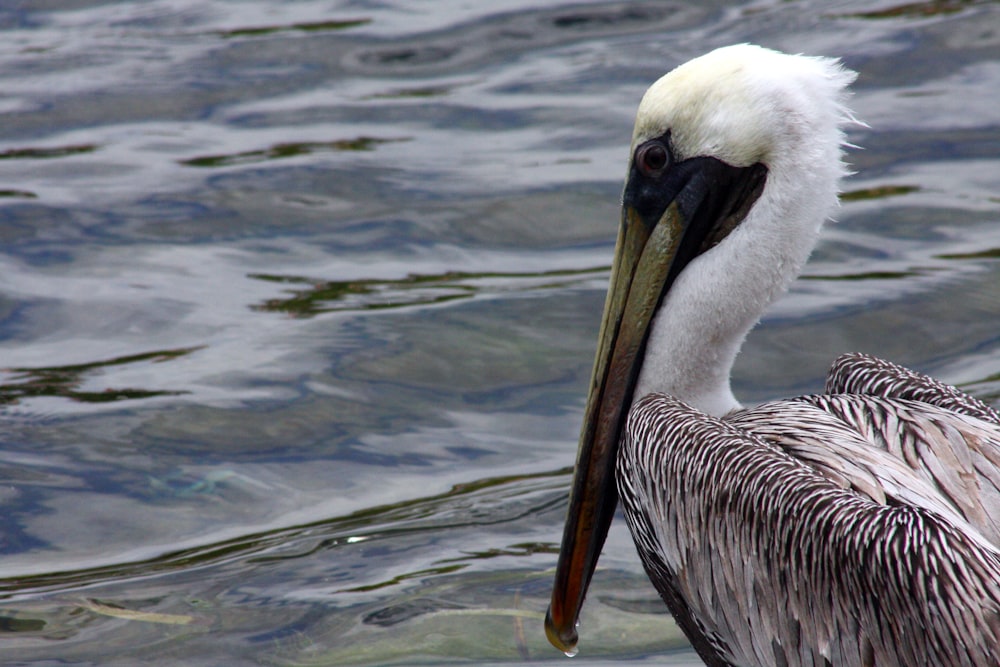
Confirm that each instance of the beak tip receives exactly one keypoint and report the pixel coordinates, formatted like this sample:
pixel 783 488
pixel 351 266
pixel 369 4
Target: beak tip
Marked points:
pixel 564 639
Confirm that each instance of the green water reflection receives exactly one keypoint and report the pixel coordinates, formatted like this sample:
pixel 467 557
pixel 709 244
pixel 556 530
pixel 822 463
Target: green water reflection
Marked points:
pixel 65 381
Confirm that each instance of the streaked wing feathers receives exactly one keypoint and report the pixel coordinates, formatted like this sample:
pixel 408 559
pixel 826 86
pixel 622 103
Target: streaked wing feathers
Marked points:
pixel 794 556
pixel 892 451
pixel 857 373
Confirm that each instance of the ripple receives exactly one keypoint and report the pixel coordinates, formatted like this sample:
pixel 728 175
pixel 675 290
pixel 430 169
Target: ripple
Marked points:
pixel 988 253
pixel 927 9
pixel 45 153
pixel 18 194
pixel 372 294
pixel 504 35
pixel 878 192
pixel 494 500
pixel 314 26
pixel 65 381
pixel 285 150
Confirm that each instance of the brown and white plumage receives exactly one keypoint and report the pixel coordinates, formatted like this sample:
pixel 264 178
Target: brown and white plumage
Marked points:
pixel 860 526
pixel 842 529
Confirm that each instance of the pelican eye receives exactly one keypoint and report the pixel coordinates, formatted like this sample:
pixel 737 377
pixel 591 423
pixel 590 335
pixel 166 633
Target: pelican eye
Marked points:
pixel 652 158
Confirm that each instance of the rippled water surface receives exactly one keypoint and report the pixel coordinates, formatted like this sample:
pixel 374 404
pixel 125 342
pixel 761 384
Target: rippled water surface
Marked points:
pixel 298 301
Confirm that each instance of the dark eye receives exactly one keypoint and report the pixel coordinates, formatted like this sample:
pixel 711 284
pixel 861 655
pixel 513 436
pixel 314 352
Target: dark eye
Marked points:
pixel 652 158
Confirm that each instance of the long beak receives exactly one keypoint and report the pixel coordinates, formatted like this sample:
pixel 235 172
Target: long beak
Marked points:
pixel 702 200
pixel 637 278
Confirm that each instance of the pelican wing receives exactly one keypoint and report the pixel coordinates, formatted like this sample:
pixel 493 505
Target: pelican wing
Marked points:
pixel 857 373
pixel 893 450
pixel 787 555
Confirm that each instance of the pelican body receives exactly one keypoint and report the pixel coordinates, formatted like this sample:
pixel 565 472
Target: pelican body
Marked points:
pixel 860 526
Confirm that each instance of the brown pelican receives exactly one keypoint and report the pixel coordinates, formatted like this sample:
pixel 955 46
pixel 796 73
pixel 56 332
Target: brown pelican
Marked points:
pixel 860 526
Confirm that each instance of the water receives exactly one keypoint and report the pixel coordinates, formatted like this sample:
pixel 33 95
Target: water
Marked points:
pixel 298 303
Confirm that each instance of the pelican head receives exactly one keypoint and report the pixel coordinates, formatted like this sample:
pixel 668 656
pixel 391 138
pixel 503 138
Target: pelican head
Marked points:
pixel 734 165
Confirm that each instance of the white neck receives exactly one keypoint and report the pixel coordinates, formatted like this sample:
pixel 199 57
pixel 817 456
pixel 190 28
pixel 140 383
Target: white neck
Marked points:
pixel 719 297
pixel 742 104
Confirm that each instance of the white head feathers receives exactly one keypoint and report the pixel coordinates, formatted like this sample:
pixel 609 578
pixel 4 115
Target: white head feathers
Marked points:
pixel 745 104
pixel 742 104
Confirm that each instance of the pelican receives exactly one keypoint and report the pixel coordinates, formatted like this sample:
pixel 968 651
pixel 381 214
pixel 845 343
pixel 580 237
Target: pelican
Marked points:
pixel 860 526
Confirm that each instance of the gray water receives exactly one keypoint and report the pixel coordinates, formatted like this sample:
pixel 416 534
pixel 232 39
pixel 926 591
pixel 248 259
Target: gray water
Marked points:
pixel 298 301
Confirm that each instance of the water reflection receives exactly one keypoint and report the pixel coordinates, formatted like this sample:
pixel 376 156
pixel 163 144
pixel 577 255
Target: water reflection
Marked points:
pixel 65 381
pixel 482 503
pixel 878 192
pixel 915 10
pixel 989 253
pixel 315 26
pixel 46 153
pixel 286 150
pixel 357 295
